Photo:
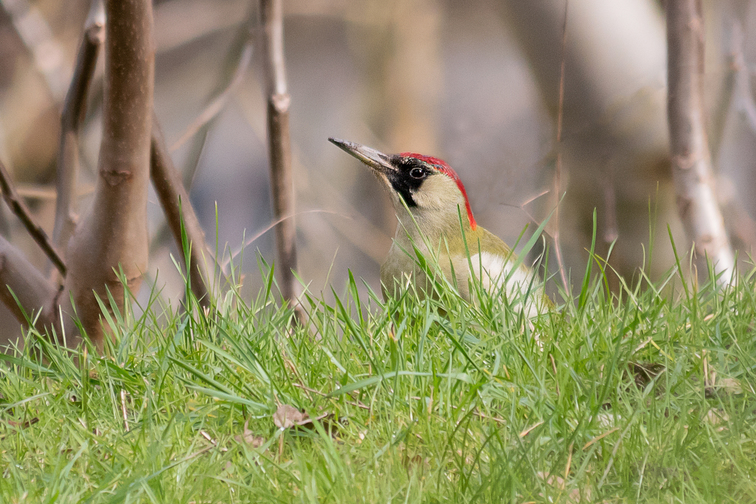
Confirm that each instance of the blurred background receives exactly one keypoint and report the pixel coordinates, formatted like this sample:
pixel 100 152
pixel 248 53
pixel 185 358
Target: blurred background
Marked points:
pixel 475 83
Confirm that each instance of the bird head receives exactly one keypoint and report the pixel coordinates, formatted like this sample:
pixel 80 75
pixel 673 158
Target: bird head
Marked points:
pixel 427 186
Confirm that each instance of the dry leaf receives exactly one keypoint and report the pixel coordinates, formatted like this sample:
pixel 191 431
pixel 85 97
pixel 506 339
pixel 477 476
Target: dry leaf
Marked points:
pixel 249 437
pixel 723 387
pixel 288 416
pixel 730 385
pixel 716 416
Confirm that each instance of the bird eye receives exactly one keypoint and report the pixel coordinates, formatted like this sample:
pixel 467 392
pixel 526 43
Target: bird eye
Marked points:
pixel 417 173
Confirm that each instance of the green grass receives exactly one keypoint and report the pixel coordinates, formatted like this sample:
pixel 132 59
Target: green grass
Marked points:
pixel 636 397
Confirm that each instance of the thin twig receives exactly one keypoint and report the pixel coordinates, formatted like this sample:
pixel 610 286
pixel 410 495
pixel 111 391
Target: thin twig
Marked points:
pixel 216 106
pixel 691 160
pixel 234 253
pixel 558 170
pixel 18 207
pixel 279 143
pixel 46 192
pixel 71 119
pixel 230 68
pixel 233 70
pixel 209 438
pixel 599 437
pixel 531 199
pixel 530 429
pixel 180 216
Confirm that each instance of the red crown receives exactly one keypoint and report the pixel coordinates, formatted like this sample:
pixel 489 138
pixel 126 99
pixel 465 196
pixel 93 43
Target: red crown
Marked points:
pixel 443 167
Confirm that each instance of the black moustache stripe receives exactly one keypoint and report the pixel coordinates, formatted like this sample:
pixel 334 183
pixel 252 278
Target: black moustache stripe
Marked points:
pixel 401 180
pixel 404 191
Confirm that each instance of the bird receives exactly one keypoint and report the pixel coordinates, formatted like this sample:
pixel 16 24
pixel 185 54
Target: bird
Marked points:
pixel 436 219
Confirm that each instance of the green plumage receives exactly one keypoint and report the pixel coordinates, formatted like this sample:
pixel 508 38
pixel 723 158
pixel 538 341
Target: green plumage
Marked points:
pixel 435 220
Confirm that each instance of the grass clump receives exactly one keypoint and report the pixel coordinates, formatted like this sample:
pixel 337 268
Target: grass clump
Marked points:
pixel 634 397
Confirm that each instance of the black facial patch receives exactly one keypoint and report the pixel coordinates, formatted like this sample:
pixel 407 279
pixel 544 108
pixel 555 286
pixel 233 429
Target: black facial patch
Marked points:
pixel 410 175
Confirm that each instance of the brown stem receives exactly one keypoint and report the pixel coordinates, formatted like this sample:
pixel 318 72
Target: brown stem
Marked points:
pixel 279 142
pixel 744 101
pixel 558 170
pixel 31 289
pixel 18 207
pixel 74 110
pixel 691 160
pixel 112 235
pixel 234 69
pixel 178 211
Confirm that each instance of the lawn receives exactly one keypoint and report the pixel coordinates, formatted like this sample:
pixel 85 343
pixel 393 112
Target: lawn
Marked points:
pixel 642 396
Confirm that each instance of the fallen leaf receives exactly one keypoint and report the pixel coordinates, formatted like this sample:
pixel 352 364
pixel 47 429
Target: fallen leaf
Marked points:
pixel 287 416
pixel 729 386
pixel 249 437
pixel 716 416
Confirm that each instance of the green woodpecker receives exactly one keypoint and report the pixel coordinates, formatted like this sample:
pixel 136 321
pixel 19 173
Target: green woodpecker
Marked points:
pixel 429 199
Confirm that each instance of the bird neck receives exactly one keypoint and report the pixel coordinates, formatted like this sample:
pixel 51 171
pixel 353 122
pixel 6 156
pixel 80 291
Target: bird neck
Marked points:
pixel 418 226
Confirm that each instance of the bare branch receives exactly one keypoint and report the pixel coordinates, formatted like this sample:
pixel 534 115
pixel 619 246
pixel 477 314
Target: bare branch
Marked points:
pixel 740 224
pixel 18 207
pixel 249 241
pixel 613 110
pixel 216 106
pixel 178 210
pixel 74 109
pixel 611 229
pixel 744 101
pixel 691 159
pixel 32 290
pixel 558 171
pixel 112 235
pixel 236 63
pixel 279 142
pixel 38 38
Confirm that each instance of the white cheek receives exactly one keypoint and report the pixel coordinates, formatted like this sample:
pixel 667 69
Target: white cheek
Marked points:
pixel 439 192
pixel 427 199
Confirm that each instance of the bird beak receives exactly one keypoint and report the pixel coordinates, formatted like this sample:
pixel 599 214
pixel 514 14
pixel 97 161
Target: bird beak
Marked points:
pixel 376 160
